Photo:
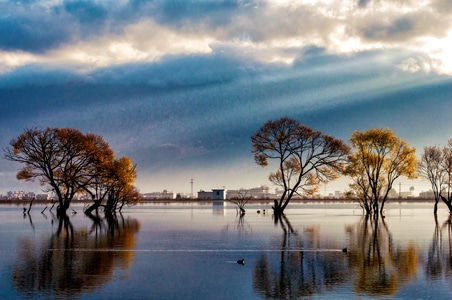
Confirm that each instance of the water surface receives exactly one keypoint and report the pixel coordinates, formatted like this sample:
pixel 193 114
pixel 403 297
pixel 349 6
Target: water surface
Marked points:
pixel 190 251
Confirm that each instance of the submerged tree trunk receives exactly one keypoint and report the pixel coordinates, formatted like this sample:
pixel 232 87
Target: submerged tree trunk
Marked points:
pixel 121 206
pixel 31 203
pixel 94 207
pixel 382 207
pixel 277 207
pixel 62 208
pixel 280 206
pixel 110 206
pixel 435 207
pixel 53 204
pixel 447 202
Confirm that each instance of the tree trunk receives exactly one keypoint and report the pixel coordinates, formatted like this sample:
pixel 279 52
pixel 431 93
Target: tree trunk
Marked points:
pixel 447 202
pixel 280 206
pixel 61 209
pixel 120 207
pixel 382 207
pixel 53 204
pixel 435 207
pixel 31 203
pixel 277 207
pixel 93 207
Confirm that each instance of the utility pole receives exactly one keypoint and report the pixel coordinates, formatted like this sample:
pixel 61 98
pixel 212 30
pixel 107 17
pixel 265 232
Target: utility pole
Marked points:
pixel 191 181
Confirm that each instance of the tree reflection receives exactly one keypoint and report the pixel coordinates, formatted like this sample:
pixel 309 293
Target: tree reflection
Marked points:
pixel 439 261
pixel 380 267
pixel 73 261
pixel 240 225
pixel 293 272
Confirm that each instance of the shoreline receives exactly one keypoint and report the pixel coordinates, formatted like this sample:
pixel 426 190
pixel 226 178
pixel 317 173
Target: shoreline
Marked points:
pixel 251 201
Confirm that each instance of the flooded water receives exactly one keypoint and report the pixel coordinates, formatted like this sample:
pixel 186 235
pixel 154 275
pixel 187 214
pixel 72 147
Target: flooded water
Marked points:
pixel 190 251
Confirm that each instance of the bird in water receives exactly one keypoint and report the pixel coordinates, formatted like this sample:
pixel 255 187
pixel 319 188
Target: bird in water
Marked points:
pixel 241 261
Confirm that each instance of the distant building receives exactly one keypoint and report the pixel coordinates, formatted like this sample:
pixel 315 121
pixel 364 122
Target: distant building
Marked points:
pixel 205 195
pixel 20 195
pixel 158 195
pixel 336 195
pixel 215 194
pixel 238 194
pixel 218 194
pixel 427 195
pixel 261 192
pixel 43 197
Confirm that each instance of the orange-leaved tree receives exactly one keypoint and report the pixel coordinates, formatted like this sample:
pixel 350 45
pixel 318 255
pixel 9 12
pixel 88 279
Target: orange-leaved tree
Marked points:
pixel 64 160
pixel 122 191
pixel 305 157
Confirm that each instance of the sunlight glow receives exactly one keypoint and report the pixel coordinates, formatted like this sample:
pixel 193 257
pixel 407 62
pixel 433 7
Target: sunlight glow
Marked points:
pixel 11 60
pixel 141 42
pixel 126 52
pixel 440 51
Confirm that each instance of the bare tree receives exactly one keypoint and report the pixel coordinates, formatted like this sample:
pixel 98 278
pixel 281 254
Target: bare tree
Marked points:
pixel 447 169
pixel 241 200
pixel 430 166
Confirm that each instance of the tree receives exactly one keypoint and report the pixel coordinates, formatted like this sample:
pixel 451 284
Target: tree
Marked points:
pixel 436 166
pixel 447 169
pixel 63 159
pixel 431 167
pixel 378 160
pixel 305 157
pixel 241 200
pixel 122 191
pixel 113 183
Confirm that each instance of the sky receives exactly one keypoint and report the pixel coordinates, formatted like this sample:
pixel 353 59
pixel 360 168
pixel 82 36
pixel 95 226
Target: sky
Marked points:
pixel 180 86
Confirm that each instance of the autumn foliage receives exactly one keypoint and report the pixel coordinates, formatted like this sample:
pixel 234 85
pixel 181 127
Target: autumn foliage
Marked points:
pixel 379 158
pixel 67 162
pixel 305 157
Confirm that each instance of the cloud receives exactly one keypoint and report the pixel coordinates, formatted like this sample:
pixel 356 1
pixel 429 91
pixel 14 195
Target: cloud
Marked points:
pixel 442 6
pixel 363 3
pixel 29 33
pixel 86 12
pixel 86 35
pixel 176 132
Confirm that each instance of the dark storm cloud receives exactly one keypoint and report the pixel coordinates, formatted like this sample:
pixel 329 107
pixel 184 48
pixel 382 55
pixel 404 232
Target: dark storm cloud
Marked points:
pixel 31 33
pixel 172 73
pixel 363 3
pixel 395 28
pixel 31 26
pixel 181 72
pixel 86 12
pixel 179 11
